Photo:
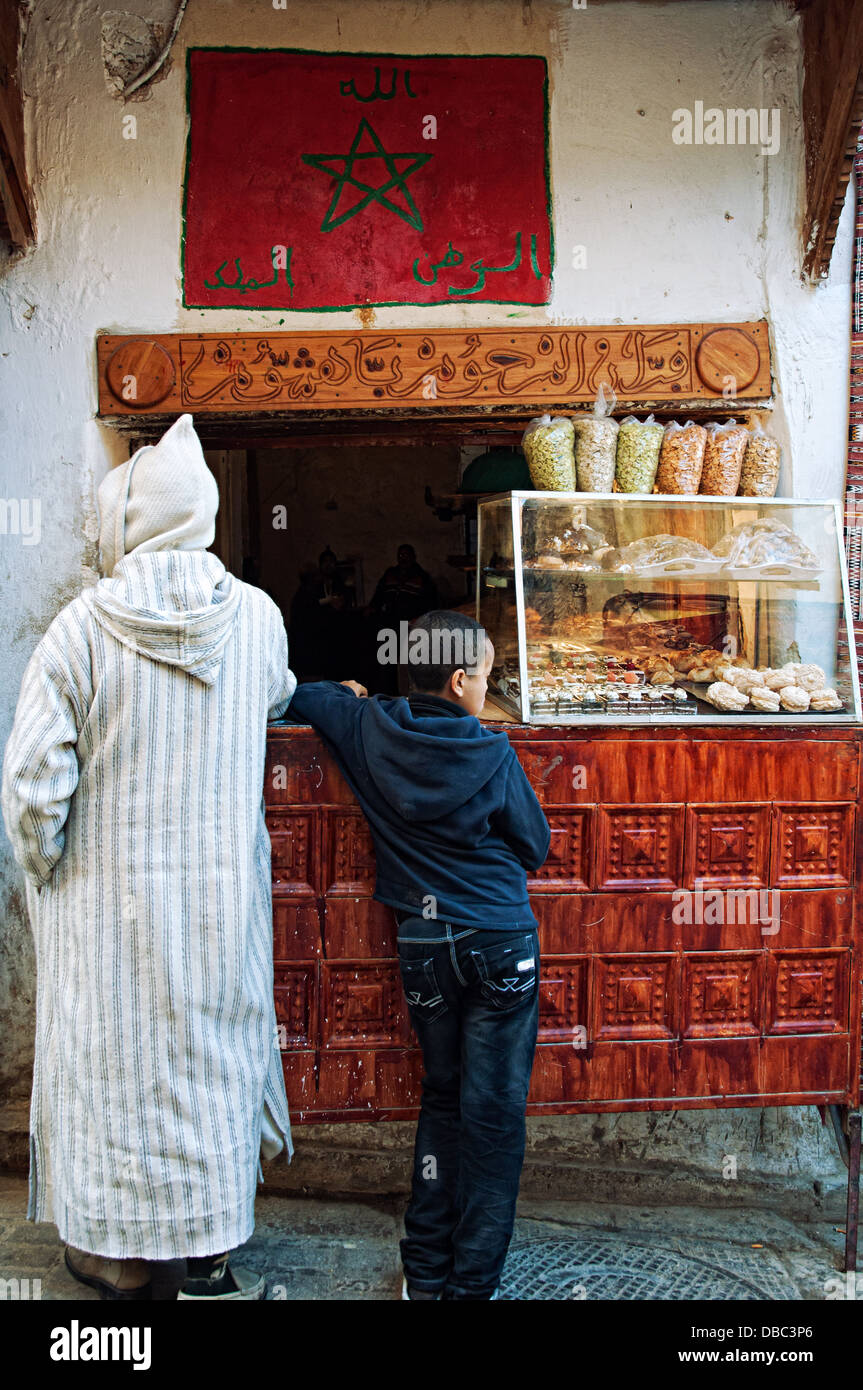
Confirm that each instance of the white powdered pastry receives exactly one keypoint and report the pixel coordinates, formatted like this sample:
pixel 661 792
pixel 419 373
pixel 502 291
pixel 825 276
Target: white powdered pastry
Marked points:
pixel 825 699
pixel 792 697
pixel 764 699
pixel 725 696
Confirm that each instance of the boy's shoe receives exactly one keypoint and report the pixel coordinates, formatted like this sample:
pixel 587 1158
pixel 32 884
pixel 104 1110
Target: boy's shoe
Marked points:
pixel 420 1295
pixel 116 1280
pixel 224 1281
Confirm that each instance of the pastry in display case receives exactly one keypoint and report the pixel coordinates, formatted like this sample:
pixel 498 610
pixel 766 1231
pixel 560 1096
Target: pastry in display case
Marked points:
pixel 612 608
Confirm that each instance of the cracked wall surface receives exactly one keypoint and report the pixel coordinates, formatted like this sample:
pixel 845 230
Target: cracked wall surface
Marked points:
pixel 671 233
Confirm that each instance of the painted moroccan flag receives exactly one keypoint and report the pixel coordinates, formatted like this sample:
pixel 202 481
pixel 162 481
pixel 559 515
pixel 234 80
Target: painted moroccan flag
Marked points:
pixel 336 180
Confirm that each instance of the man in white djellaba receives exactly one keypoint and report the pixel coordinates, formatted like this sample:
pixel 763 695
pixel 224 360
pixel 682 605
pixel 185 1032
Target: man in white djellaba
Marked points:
pixel 132 795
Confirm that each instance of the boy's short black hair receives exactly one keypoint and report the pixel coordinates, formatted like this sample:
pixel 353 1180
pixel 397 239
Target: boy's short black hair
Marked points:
pixel 453 642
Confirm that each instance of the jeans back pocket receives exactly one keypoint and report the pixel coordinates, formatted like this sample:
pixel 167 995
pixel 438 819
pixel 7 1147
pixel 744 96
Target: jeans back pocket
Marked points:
pixel 422 993
pixel 508 972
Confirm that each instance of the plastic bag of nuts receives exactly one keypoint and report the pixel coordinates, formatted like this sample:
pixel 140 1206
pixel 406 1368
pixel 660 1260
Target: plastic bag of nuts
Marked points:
pixel 549 449
pixel 723 459
pixel 638 445
pixel 759 476
pixel 681 457
pixel 596 445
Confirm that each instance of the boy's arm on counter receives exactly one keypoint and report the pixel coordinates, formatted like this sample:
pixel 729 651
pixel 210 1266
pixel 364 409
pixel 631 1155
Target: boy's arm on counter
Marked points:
pixel 332 710
pixel 521 820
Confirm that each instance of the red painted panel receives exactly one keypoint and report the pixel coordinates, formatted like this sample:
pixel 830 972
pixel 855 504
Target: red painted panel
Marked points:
pixel 333 156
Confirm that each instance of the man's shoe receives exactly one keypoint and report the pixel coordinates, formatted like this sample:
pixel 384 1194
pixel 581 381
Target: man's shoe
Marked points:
pixel 420 1295
pixel 248 1286
pixel 125 1280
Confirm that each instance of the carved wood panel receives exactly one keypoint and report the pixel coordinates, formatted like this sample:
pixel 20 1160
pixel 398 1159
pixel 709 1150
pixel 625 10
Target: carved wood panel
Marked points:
pixel 808 992
pixel 363 1004
pixel 568 865
pixel 635 997
pixel 350 855
pixel 727 845
pixel 295 851
pixel 721 996
pixel 639 847
pixel 296 998
pixel 563 1001
pixel 412 370
pixel 813 846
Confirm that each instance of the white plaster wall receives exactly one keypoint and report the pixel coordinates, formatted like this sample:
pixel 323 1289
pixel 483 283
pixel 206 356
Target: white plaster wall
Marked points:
pixel 671 233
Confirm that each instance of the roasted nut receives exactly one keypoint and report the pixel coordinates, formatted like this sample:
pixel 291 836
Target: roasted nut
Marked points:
pixel 759 476
pixel 723 460
pixel 549 449
pixel 638 445
pixel 681 458
pixel 595 452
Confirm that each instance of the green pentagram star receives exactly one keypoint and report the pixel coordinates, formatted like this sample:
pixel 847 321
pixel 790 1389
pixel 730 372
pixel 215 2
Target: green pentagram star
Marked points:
pixel 345 176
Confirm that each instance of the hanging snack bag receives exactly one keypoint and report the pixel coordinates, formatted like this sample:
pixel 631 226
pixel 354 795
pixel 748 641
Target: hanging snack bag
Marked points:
pixel 681 458
pixel 638 445
pixel 596 445
pixel 759 476
pixel 723 459
pixel 549 447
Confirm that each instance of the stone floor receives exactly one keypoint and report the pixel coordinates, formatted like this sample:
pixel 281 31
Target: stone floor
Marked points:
pixel 348 1250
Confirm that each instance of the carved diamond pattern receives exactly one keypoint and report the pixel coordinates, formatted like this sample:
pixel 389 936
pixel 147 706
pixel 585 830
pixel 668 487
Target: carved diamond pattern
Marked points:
pixel 635 998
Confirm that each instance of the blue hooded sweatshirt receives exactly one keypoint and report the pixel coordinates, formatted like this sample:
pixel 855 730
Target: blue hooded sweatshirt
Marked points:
pixel 455 823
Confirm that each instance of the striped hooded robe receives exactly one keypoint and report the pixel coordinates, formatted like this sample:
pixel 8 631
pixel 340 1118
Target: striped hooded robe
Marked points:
pixel 132 795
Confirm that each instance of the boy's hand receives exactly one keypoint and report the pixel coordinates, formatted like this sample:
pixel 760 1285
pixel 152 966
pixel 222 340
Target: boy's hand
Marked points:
pixel 359 690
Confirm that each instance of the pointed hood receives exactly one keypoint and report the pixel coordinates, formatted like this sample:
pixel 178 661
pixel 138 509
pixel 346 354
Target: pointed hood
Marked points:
pixel 163 498
pixel 425 765
pixel 177 607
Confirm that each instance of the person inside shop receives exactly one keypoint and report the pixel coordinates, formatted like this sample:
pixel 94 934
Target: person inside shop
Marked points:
pixel 132 799
pixel 405 591
pixel 318 620
pixel 456 829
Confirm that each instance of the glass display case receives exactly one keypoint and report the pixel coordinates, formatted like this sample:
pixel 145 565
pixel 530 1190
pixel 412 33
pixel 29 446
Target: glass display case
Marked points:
pixel 611 608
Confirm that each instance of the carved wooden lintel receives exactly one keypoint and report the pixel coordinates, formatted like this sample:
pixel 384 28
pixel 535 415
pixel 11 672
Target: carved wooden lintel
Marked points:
pixel 404 374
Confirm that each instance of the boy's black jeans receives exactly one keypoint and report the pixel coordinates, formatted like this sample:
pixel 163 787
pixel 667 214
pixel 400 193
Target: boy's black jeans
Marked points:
pixel 473 997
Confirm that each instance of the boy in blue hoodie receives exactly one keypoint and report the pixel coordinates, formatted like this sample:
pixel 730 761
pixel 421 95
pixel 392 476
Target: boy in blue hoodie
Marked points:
pixel 456 828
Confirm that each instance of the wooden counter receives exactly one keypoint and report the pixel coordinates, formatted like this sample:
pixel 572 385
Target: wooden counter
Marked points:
pixel 639 1011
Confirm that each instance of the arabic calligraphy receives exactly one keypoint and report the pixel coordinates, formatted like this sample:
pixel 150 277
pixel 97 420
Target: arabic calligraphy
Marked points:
pixel 508 365
pixel 349 89
pixel 249 286
pixel 453 258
